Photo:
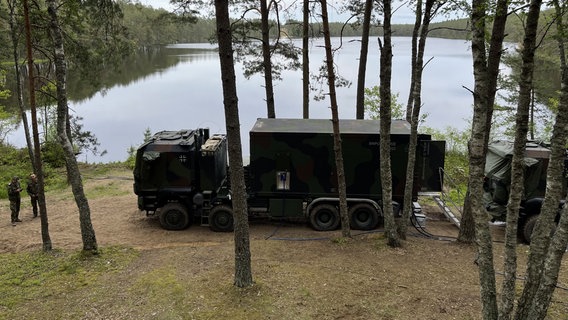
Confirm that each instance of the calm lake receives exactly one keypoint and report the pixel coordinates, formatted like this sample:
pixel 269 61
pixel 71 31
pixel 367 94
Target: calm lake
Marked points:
pixel 184 92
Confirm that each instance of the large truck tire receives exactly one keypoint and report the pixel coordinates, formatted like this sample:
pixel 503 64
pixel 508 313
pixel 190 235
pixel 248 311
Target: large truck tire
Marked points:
pixel 528 227
pixel 363 216
pixel 174 216
pixel 221 219
pixel 324 217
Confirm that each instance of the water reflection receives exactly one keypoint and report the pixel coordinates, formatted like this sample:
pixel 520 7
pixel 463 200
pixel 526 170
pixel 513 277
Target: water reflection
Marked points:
pixel 179 87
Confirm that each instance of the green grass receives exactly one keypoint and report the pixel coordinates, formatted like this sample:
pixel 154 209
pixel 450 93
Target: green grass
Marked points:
pixel 32 276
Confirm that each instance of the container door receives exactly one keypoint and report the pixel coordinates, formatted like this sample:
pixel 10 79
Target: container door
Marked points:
pixel 432 162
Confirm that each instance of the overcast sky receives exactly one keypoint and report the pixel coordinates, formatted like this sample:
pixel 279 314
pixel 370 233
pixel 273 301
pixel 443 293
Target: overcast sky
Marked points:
pixel 402 15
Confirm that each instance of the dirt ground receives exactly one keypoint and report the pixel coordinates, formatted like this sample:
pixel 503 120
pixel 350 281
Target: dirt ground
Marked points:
pixel 117 221
pixel 428 278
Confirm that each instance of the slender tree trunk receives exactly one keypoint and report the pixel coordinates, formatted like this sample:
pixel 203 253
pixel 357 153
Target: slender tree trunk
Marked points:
pixel 415 118
pixel 546 254
pixel 491 68
pixel 46 240
pixel 477 162
pixel 345 228
pixel 413 56
pixel 243 271
pixel 306 60
pixel 531 119
pixel 385 120
pixel 360 104
pixel 557 246
pixel 268 86
pixel 517 164
pixel 19 84
pixel 73 174
pixel 466 233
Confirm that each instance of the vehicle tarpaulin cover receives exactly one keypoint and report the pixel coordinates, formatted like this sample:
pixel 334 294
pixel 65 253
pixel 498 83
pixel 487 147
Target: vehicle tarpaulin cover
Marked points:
pixel 498 176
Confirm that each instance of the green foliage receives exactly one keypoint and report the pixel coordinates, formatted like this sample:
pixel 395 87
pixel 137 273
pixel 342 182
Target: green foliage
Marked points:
pixel 4 94
pixel 149 27
pixel 7 121
pixel 16 162
pixel 320 82
pixel 546 80
pixel 53 154
pixel 373 102
pixel 131 160
pixel 456 162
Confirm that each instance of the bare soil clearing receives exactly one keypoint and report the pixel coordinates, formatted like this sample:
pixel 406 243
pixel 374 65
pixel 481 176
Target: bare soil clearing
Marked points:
pixel 299 273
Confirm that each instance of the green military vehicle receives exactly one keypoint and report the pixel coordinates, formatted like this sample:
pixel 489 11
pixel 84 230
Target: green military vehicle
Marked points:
pixel 497 183
pixel 182 176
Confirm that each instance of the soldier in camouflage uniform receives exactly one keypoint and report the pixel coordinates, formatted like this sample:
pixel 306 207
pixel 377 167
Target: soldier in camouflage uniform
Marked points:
pixel 14 190
pixel 33 190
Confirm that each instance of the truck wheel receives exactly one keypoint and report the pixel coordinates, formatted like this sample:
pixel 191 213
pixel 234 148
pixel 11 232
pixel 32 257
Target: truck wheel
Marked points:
pixel 528 227
pixel 174 216
pixel 221 219
pixel 363 216
pixel 324 217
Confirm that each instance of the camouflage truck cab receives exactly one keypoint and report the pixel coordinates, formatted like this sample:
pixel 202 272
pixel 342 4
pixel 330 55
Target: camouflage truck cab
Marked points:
pixel 497 183
pixel 292 171
pixel 181 174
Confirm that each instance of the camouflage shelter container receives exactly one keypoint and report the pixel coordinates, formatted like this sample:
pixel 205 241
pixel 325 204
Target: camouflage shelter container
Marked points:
pixel 292 164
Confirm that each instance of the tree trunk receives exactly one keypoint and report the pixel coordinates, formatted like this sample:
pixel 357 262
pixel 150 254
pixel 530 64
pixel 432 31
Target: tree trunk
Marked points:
pixel 385 122
pixel 73 174
pixel 466 233
pixel 415 117
pixel 546 254
pixel 243 271
pixel 517 164
pixel 557 246
pixel 491 68
pixel 477 149
pixel 413 56
pixel 18 78
pixel 268 86
pixel 46 239
pixel 360 104
pixel 306 60
pixel 345 228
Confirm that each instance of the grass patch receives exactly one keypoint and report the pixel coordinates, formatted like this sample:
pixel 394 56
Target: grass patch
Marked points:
pixel 33 276
pixel 112 188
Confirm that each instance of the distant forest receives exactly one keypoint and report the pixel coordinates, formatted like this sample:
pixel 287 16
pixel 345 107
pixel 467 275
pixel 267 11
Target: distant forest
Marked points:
pixel 148 26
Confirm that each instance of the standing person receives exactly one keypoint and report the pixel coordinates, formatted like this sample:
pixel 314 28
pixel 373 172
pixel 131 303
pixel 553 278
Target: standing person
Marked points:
pixel 14 190
pixel 33 190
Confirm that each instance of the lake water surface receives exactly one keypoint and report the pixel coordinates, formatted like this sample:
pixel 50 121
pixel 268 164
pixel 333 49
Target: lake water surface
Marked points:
pixel 187 94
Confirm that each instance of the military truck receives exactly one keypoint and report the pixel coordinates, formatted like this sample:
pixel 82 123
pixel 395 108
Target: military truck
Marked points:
pixel 182 176
pixel 497 183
